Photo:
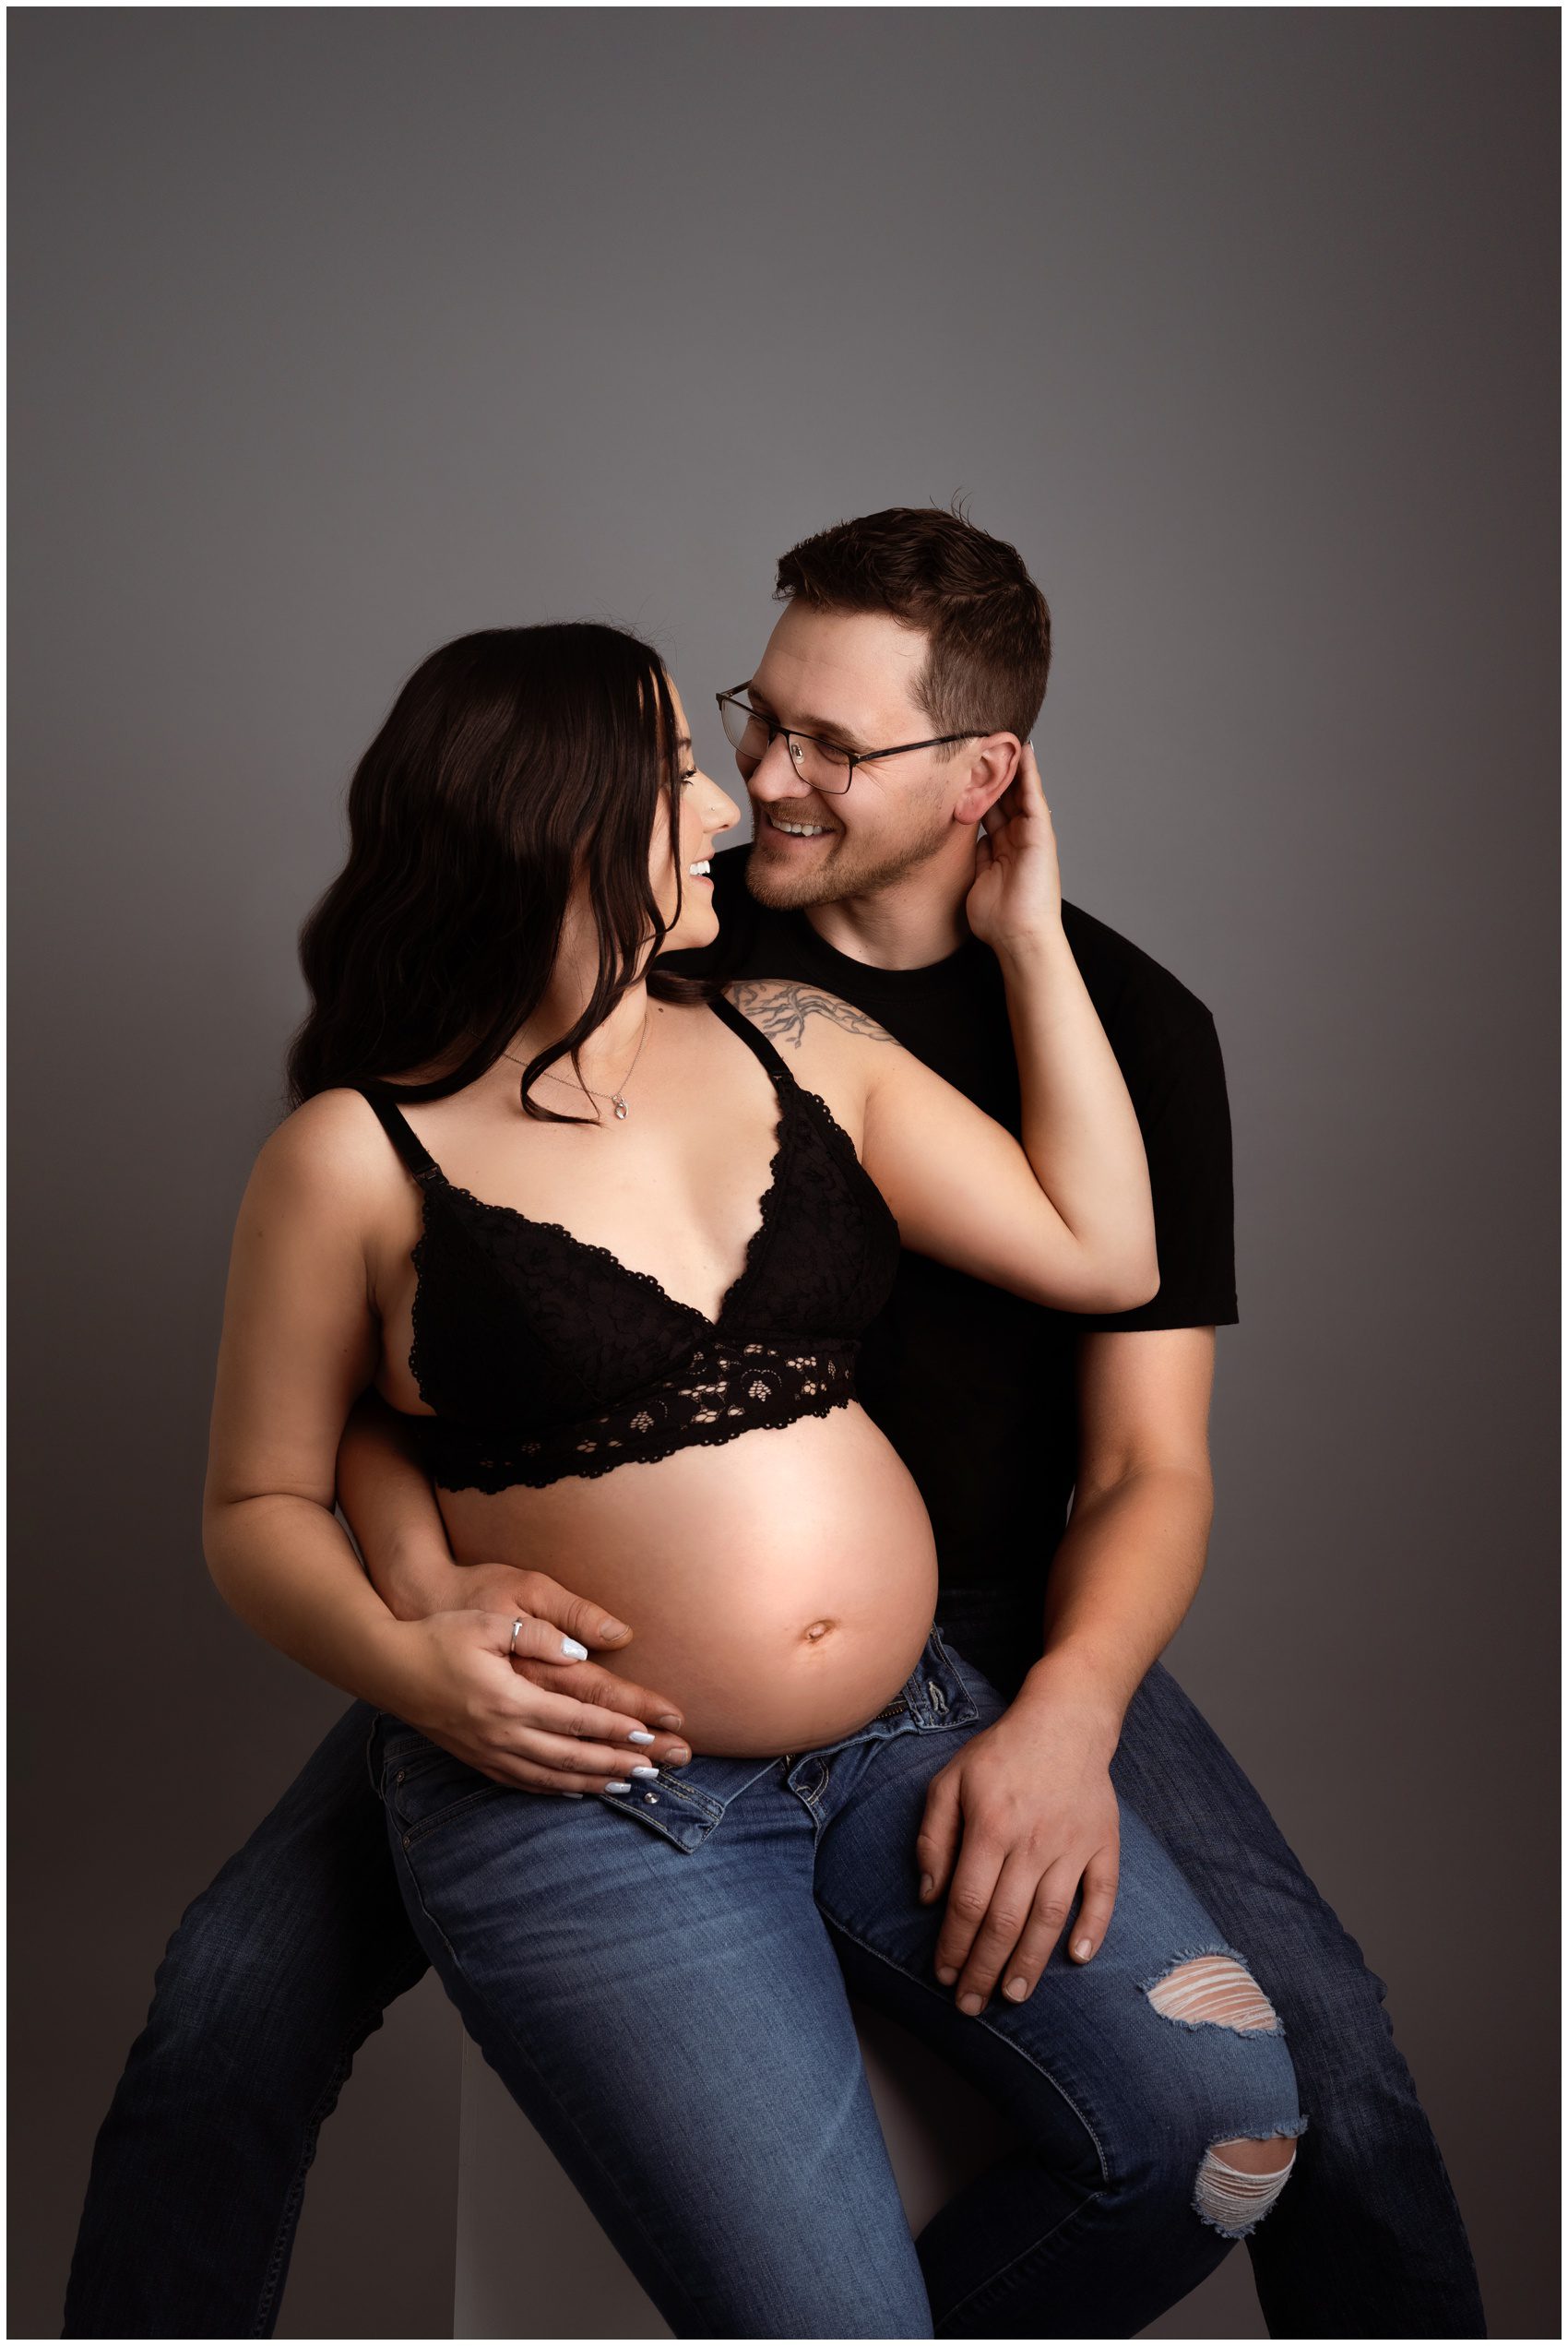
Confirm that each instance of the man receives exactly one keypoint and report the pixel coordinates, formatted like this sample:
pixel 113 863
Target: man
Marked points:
pixel 906 637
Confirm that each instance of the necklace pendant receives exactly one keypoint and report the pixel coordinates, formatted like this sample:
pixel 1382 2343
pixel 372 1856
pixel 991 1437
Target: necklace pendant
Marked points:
pixel 619 1106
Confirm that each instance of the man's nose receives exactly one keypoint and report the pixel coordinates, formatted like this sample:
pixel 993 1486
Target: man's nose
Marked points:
pixel 776 775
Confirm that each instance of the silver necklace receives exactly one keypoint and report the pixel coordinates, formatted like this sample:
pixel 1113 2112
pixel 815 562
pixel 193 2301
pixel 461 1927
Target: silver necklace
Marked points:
pixel 613 1097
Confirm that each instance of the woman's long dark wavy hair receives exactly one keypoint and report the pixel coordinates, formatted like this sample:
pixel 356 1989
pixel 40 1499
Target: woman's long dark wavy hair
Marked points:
pixel 511 759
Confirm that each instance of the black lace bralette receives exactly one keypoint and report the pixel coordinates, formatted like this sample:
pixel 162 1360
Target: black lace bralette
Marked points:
pixel 542 1355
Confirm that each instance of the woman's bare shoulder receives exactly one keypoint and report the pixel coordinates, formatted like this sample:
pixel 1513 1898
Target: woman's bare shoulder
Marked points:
pixel 836 1050
pixel 788 1010
pixel 330 1149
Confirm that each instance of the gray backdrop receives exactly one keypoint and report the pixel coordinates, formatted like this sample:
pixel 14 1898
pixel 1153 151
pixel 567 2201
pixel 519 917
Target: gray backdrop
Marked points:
pixel 338 332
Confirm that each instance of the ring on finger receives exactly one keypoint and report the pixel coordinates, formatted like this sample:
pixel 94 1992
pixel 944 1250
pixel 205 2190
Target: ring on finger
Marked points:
pixel 512 1648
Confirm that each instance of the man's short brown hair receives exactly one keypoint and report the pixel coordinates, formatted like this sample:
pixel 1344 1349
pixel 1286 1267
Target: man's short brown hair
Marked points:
pixel 988 622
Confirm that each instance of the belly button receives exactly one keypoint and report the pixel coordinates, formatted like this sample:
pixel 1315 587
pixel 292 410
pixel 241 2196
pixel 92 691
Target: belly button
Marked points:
pixel 820 1629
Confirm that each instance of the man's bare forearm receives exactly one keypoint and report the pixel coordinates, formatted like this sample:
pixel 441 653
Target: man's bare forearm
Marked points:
pixel 1121 1582
pixel 392 1511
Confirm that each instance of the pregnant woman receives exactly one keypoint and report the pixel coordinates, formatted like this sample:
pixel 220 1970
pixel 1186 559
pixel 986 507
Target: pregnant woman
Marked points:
pixel 585 1224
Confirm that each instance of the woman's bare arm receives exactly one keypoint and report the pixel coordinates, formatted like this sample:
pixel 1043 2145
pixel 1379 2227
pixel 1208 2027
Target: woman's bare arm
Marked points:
pixel 1067 1218
pixel 299 1343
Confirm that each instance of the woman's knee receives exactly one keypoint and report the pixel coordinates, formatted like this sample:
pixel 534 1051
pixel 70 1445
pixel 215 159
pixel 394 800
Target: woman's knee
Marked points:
pixel 1236 2080
pixel 1238 2182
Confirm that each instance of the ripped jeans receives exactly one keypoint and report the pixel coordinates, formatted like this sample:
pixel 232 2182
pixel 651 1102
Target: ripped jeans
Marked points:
pixel 660 1977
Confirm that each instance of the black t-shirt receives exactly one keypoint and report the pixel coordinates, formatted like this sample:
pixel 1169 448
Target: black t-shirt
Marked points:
pixel 975 1387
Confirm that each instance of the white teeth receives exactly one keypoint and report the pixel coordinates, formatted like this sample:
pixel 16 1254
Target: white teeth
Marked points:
pixel 798 831
pixel 697 870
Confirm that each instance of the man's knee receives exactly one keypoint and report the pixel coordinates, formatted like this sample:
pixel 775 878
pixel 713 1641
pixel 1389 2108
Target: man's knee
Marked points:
pixel 217 1977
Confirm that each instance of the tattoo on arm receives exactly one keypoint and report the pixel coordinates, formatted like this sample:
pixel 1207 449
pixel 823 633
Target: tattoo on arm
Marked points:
pixel 780 1008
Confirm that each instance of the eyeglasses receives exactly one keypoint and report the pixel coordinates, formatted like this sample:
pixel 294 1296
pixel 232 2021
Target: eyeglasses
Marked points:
pixel 825 765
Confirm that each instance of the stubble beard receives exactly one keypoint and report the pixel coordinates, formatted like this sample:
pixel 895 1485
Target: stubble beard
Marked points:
pixel 853 867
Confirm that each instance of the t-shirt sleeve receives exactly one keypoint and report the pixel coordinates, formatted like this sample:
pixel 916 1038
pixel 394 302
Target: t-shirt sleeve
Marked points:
pixel 1176 1079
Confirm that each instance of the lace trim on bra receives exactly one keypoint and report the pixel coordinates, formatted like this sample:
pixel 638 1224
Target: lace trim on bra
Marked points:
pixel 801 1373
pixel 460 1456
pixel 766 1207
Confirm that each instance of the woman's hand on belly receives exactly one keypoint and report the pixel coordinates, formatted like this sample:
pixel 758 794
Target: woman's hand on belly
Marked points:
pixel 780 1585
pixel 514 1589
pixel 464 1685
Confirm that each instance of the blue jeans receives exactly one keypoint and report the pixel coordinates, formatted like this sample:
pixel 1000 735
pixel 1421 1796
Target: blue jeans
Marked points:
pixel 661 1979
pixel 282 1967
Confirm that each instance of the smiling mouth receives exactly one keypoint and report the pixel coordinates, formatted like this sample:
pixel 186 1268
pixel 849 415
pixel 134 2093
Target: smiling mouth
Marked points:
pixel 798 831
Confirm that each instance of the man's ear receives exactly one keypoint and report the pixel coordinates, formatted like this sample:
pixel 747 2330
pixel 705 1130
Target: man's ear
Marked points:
pixel 992 762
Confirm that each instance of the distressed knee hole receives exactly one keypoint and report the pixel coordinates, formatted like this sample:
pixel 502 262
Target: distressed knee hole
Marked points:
pixel 1238 2183
pixel 1217 1989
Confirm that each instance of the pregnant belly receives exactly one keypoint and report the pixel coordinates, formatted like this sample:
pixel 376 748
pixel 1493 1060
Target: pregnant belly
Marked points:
pixel 779 1587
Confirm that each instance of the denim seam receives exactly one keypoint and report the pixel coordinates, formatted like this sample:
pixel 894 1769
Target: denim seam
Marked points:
pixel 980 2020
pixel 588 2149
pixel 695 1804
pixel 995 2278
pixel 358 2031
pixel 416 1832
pixel 701 1806
pixel 955 1666
pixel 939 1711
pixel 418 1763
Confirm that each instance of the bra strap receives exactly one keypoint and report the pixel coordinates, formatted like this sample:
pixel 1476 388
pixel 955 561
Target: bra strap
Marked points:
pixel 753 1036
pixel 399 1132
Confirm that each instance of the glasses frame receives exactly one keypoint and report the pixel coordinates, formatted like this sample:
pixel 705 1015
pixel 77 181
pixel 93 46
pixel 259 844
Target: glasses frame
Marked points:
pixel 792 734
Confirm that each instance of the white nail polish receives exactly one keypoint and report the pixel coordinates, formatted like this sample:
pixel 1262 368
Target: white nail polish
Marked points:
pixel 644 1772
pixel 617 1788
pixel 572 1651
pixel 638 1735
